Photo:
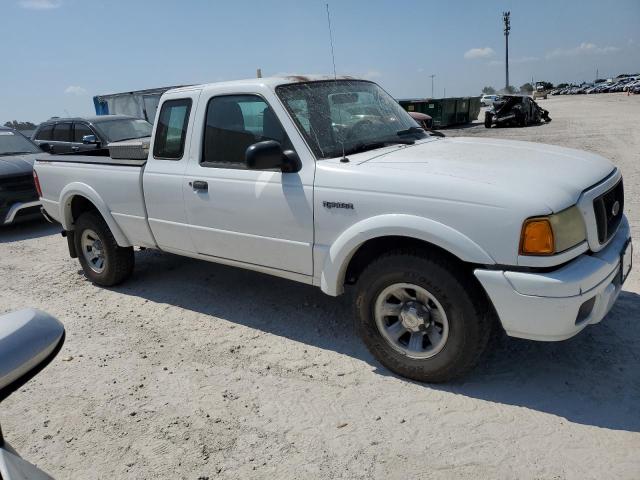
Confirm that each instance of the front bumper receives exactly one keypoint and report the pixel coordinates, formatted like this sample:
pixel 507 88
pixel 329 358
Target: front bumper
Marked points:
pixel 557 305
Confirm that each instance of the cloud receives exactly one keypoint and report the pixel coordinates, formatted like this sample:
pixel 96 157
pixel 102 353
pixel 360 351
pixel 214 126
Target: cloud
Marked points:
pixel 40 4
pixel 485 52
pixel 585 48
pixel 75 90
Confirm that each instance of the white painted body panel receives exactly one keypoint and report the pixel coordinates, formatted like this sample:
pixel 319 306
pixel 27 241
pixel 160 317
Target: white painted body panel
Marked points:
pixel 467 196
pixel 258 217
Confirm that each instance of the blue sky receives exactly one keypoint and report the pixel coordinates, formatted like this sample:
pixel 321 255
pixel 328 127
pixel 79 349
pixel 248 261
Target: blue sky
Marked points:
pixel 59 53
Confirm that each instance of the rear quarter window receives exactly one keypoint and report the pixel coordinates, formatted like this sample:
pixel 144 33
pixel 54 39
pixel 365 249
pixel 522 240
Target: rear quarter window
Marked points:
pixel 45 133
pixel 171 131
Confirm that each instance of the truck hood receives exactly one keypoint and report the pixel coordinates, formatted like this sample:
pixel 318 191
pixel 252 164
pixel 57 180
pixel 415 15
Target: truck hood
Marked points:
pixel 12 165
pixel 555 175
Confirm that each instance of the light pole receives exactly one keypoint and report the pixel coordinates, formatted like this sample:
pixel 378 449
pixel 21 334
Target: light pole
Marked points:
pixel 432 77
pixel 506 17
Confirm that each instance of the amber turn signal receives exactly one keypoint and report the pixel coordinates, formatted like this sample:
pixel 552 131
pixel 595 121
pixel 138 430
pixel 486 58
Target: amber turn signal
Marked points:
pixel 537 237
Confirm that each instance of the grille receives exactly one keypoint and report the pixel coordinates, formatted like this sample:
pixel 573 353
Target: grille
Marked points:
pixel 17 189
pixel 608 209
pixel 17 184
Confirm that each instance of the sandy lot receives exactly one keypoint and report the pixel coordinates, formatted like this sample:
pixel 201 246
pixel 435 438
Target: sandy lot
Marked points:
pixel 193 370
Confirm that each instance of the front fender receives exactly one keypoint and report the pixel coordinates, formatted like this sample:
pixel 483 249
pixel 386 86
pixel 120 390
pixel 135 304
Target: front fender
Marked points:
pixel 84 190
pixel 411 226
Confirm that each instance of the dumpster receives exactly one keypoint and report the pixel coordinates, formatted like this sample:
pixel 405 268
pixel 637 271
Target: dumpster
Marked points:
pixel 445 111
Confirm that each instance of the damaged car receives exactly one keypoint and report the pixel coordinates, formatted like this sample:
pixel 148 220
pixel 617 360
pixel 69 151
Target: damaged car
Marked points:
pixel 515 111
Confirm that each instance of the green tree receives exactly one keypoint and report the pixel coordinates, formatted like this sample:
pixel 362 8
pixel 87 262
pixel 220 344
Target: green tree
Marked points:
pixel 526 88
pixel 20 125
pixel 510 90
pixel 488 90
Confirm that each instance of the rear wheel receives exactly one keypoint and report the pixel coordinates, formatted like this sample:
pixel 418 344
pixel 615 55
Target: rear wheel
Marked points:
pixel 103 261
pixel 488 119
pixel 422 316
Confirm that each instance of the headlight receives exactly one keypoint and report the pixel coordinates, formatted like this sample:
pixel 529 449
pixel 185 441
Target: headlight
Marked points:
pixel 553 233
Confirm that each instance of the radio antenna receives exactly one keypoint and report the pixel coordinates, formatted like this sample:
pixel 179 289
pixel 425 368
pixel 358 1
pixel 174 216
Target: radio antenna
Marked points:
pixel 344 158
pixel 333 57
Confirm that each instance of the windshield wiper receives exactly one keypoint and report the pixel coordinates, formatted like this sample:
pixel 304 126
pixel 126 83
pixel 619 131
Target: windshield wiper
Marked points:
pixel 410 131
pixel 364 146
pixel 15 153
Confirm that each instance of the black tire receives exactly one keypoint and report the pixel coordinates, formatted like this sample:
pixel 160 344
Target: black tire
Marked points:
pixel 118 261
pixel 470 317
pixel 488 120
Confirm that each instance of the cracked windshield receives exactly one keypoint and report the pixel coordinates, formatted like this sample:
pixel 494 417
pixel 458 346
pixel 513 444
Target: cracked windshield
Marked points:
pixel 344 117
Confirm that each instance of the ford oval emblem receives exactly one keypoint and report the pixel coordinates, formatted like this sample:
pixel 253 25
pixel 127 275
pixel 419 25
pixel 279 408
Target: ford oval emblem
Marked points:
pixel 615 209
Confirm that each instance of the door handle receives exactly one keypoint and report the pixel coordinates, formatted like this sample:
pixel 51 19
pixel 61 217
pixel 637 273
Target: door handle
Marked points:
pixel 75 149
pixel 199 185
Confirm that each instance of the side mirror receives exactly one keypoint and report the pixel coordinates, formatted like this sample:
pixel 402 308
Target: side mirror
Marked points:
pixel 45 147
pixel 90 140
pixel 29 340
pixel 268 155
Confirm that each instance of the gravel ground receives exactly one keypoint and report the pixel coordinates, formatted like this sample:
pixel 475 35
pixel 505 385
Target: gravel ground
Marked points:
pixel 194 370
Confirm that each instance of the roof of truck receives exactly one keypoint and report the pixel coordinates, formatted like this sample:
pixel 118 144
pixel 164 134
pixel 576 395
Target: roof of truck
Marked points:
pixel 271 81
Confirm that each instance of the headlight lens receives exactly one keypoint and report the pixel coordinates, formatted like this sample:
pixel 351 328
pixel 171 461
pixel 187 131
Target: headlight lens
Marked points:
pixel 553 234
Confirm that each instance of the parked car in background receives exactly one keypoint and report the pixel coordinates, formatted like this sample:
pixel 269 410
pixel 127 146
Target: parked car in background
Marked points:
pixel 18 196
pixel 29 341
pixel 426 122
pixel 69 135
pixel 488 100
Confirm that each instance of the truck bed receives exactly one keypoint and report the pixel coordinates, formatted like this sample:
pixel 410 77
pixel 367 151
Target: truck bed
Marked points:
pixel 113 185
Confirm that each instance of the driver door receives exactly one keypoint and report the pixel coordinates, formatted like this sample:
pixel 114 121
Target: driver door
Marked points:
pixel 256 217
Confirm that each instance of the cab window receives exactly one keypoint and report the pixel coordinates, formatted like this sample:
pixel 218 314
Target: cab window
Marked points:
pixel 45 133
pixel 232 124
pixel 62 132
pixel 80 130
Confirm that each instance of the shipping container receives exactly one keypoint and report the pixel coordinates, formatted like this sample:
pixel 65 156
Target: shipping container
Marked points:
pixel 445 111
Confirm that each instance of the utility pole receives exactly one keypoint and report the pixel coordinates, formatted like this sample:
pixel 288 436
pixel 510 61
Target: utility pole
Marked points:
pixel 432 76
pixel 506 17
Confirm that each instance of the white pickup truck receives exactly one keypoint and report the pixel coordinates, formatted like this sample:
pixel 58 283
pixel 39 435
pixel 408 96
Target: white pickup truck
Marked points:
pixel 330 182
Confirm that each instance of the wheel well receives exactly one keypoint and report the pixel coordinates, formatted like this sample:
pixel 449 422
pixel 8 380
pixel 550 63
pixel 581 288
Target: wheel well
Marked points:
pixel 372 249
pixel 80 205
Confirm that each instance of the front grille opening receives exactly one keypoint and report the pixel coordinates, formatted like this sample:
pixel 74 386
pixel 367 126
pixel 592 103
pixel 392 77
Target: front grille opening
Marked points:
pixel 585 310
pixel 608 209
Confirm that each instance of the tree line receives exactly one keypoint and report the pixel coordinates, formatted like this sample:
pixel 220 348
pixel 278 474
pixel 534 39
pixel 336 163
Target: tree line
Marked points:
pixel 524 88
pixel 16 125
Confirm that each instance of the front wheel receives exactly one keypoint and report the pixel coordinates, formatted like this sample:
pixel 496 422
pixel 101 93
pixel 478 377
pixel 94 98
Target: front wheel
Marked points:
pixel 422 316
pixel 103 261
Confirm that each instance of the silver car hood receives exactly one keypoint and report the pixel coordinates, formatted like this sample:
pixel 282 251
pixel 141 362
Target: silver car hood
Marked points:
pixel 12 165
